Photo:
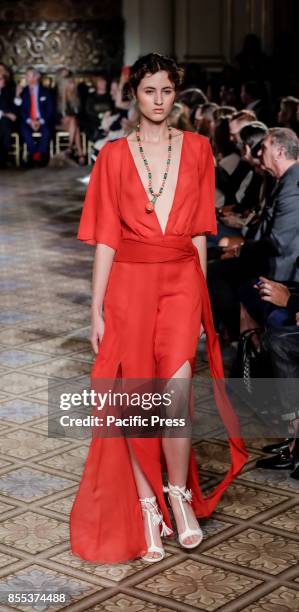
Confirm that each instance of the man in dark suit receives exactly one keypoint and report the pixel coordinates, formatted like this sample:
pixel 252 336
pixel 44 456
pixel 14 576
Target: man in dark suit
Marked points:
pixel 278 232
pixel 273 250
pixel 37 111
pixel 8 118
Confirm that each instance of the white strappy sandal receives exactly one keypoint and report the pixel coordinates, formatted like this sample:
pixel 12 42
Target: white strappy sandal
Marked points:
pixel 184 495
pixel 154 517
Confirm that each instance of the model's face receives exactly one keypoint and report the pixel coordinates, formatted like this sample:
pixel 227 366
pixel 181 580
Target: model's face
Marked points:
pixel 155 96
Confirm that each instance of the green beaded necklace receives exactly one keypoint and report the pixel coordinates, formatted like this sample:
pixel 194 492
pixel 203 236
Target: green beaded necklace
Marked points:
pixel 151 204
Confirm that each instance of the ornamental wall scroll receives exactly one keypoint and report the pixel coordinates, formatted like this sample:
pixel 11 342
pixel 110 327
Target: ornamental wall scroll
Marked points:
pixel 82 46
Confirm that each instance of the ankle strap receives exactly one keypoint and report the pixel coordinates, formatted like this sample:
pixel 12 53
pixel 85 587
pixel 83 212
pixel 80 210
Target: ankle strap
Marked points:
pixel 148 500
pixel 150 504
pixel 177 491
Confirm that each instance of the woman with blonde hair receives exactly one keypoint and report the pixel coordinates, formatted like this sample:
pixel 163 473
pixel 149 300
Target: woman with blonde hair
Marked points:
pixel 68 106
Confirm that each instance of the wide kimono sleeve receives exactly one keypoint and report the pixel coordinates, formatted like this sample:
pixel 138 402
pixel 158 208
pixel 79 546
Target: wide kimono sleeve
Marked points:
pixel 100 218
pixel 204 220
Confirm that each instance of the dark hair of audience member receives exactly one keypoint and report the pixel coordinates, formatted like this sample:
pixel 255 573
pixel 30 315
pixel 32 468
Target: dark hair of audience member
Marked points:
pixel 252 135
pixel 286 138
pixel 192 97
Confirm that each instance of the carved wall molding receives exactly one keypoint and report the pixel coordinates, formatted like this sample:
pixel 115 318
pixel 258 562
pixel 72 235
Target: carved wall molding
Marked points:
pixel 58 10
pixel 81 46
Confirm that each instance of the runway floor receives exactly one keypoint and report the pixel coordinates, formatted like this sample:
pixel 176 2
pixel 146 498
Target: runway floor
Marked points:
pixel 249 557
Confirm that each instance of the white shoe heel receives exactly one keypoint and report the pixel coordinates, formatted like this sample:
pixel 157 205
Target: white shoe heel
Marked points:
pixel 183 496
pixel 154 517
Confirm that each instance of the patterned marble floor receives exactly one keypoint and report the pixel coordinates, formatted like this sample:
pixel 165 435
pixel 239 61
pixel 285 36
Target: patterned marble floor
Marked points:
pixel 248 560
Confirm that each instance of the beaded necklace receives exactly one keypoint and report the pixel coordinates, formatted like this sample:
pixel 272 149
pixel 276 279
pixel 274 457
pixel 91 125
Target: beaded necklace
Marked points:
pixel 151 204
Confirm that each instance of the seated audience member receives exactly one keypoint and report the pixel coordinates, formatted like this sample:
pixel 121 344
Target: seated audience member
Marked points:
pixel 114 122
pixel 68 110
pixel 36 113
pixel 8 116
pixel 222 144
pixel 287 116
pixel 118 121
pixel 244 216
pixel 247 212
pixel 253 97
pixel 98 101
pixel 61 74
pixel 202 117
pixel 283 352
pixel 233 174
pixel 272 251
pixel 191 98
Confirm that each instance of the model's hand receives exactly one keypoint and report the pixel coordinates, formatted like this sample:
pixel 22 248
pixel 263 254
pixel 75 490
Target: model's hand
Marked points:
pixel 273 292
pixel 97 330
pixel 201 330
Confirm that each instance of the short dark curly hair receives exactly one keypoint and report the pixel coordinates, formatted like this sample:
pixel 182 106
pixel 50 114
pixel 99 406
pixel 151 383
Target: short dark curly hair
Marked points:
pixel 150 64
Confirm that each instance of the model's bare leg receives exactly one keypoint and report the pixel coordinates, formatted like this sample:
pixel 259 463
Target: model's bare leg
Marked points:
pixel 145 491
pixel 177 454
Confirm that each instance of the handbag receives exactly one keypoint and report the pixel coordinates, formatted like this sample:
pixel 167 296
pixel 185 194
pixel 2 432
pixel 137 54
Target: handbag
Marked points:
pixel 251 365
pixel 249 362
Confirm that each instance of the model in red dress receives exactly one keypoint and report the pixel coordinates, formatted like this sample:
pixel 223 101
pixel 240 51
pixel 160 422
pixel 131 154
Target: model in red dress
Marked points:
pixel 155 301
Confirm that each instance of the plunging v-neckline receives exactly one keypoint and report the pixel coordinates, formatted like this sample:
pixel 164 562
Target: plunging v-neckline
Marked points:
pixel 144 190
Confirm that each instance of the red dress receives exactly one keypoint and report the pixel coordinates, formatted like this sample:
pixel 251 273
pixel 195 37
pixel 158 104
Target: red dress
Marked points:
pixel 155 301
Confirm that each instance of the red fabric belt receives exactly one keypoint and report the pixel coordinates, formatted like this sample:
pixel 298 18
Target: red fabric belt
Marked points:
pixel 171 248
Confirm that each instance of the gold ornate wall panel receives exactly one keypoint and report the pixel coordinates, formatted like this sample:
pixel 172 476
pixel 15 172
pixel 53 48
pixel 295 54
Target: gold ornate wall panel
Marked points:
pixel 58 10
pixel 83 38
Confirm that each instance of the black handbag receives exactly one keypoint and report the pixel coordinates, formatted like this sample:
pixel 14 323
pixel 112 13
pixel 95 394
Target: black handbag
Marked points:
pixel 249 362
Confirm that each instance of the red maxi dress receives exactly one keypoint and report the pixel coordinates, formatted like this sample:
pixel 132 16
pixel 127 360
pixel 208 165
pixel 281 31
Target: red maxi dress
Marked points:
pixel 155 302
